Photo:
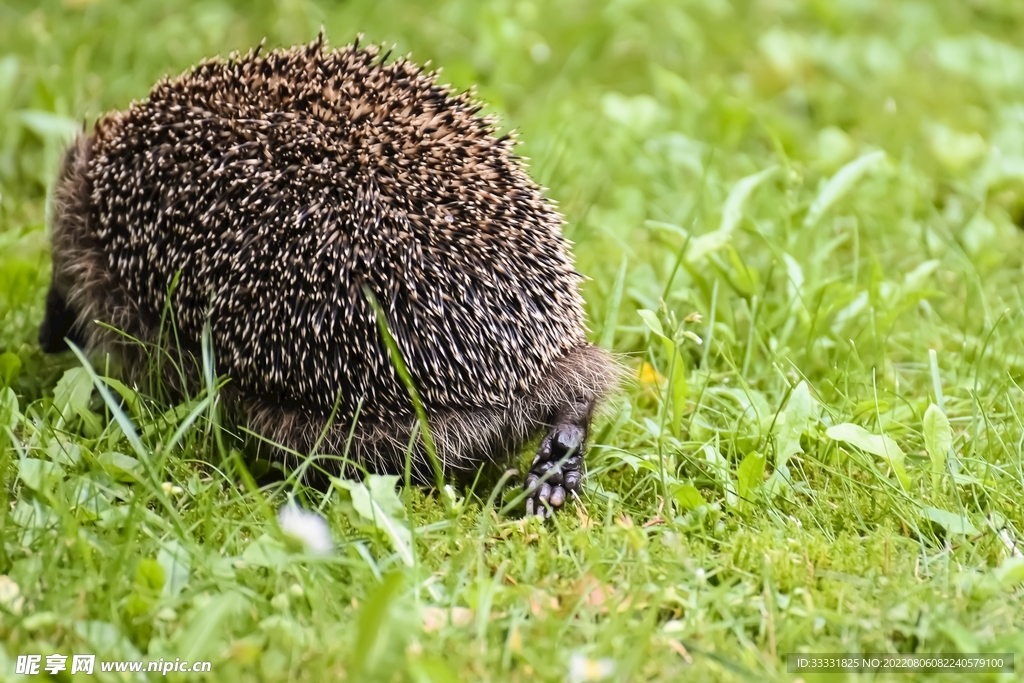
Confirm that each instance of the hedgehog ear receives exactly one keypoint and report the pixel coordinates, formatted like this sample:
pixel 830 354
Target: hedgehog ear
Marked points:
pixel 58 324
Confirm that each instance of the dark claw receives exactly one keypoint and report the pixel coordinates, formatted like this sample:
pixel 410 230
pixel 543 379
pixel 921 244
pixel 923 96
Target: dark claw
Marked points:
pixel 557 496
pixel 540 468
pixel 557 470
pixel 544 451
pixel 544 494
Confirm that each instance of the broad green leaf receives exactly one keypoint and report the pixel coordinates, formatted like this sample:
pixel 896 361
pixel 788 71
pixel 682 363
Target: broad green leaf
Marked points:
pixel 71 396
pixel 749 474
pixel 652 321
pixel 744 278
pixel 720 466
pixel 120 466
pixel 130 396
pixel 981 59
pixel 39 475
pixel 938 439
pixel 266 551
pixel 187 423
pixel 10 414
pixel 653 428
pixel 150 428
pixel 89 499
pixel 1011 572
pixel 177 564
pixel 9 69
pixel 755 407
pixel 33 514
pixel 50 126
pixel 705 244
pixel 104 637
pixel 635 461
pixel 688 496
pixel 204 638
pixel 117 516
pixel 374 626
pixel 115 409
pixel 679 387
pixel 778 482
pixel 221 568
pixel 431 669
pixel 64 452
pixel 880 445
pixel 915 279
pixel 950 521
pixel 637 112
pixel 40 620
pixel 10 366
pixel 840 184
pixel 954 149
pixel 384 490
pixel 377 503
pixel 792 423
pixel 963 638
pixel 795 286
pixel 150 575
pixel 732 213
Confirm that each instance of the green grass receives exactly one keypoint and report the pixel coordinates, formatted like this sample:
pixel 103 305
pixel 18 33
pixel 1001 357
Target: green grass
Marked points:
pixel 732 513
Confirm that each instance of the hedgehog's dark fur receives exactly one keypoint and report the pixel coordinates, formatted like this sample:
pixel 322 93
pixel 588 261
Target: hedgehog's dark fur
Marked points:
pixel 282 188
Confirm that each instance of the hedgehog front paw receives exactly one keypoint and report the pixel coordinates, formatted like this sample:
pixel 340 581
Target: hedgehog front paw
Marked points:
pixel 557 470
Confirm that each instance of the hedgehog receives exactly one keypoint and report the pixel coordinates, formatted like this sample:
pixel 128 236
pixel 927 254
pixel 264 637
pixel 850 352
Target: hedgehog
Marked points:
pixel 296 206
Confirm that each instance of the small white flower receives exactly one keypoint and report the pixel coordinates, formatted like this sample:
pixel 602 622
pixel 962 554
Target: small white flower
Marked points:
pixel 692 337
pixel 453 497
pixel 582 669
pixel 10 595
pixel 280 602
pixel 167 614
pixel 171 489
pixel 307 529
